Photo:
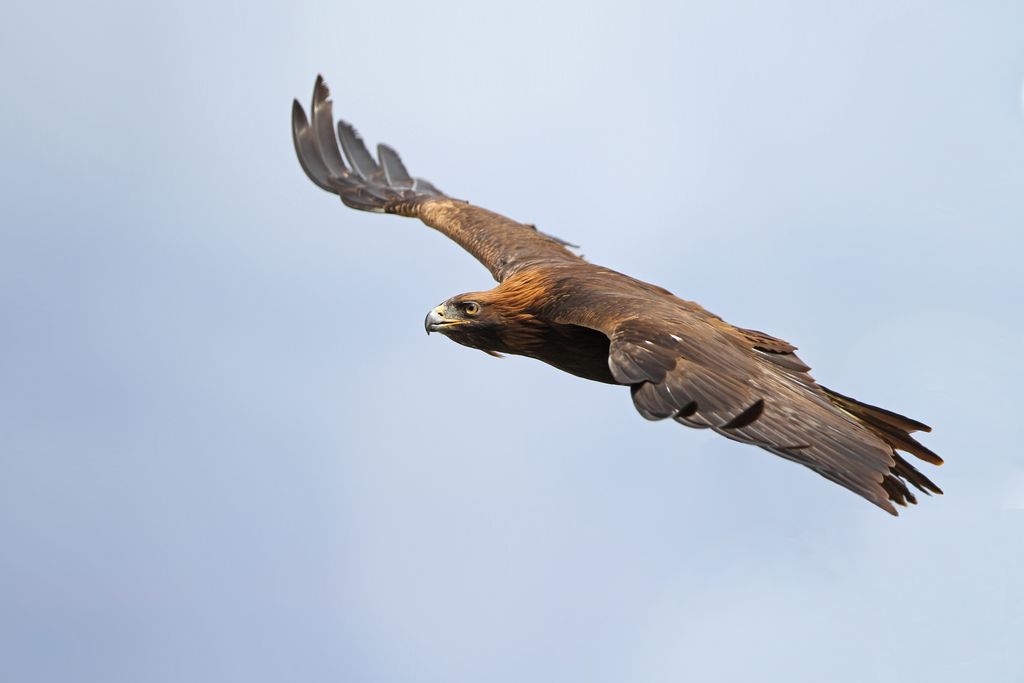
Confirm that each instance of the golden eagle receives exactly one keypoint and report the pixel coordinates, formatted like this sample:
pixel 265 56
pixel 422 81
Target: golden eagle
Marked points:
pixel 679 360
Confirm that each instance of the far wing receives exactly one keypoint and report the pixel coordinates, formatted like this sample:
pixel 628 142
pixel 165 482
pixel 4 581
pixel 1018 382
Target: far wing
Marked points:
pixel 383 185
pixel 684 363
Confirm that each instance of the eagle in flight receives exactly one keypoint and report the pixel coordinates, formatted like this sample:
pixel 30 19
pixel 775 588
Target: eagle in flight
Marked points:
pixel 678 360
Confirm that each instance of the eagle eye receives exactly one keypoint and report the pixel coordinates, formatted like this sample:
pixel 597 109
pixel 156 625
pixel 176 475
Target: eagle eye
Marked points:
pixel 471 308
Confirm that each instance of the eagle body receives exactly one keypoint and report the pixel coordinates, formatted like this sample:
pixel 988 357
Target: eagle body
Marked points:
pixel 680 361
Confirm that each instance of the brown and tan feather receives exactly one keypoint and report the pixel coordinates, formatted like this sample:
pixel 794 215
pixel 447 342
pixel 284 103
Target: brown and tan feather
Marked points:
pixel 680 361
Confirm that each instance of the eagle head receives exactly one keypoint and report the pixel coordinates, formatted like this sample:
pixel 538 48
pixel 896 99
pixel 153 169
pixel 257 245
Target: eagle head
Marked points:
pixel 506 319
pixel 485 321
pixel 469 320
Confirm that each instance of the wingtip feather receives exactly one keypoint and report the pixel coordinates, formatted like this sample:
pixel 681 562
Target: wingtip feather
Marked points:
pixel 298 116
pixel 359 158
pixel 321 93
pixel 309 157
pixel 394 170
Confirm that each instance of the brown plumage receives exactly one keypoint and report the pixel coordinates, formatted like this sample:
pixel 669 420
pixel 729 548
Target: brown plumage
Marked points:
pixel 679 360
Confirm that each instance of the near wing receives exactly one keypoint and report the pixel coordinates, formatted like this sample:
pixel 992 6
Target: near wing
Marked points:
pixel 687 364
pixel 383 185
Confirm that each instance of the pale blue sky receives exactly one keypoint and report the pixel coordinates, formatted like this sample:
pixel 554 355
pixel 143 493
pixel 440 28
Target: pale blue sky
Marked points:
pixel 228 451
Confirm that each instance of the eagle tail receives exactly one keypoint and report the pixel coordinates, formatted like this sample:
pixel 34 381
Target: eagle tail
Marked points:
pixel 363 183
pixel 895 430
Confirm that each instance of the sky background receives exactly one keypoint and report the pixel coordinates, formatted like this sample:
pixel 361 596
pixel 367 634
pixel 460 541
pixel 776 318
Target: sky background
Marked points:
pixel 229 453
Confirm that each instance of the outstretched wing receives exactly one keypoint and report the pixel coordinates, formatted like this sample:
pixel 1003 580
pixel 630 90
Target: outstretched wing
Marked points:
pixel 687 364
pixel 383 185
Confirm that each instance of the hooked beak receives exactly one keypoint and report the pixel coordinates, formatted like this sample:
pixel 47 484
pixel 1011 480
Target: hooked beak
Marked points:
pixel 434 320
